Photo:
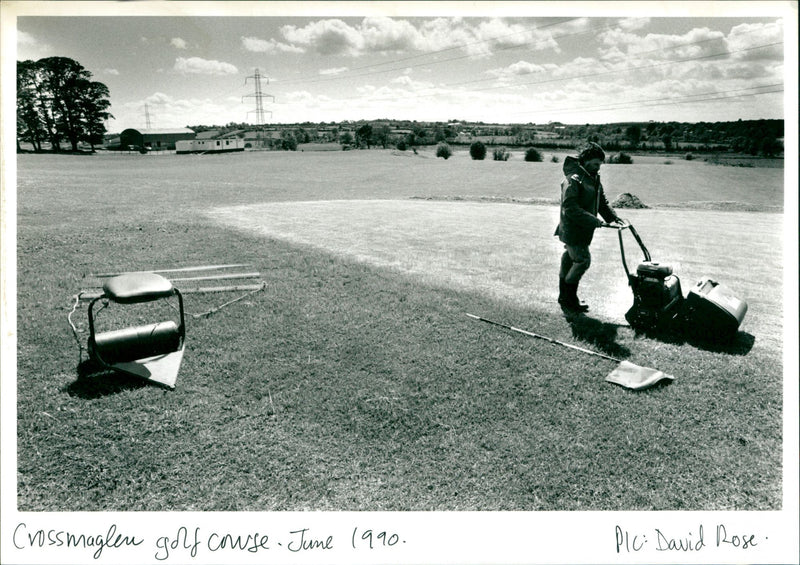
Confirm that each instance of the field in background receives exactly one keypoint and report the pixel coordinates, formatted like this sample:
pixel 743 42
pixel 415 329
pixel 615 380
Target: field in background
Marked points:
pixel 355 381
pixel 172 185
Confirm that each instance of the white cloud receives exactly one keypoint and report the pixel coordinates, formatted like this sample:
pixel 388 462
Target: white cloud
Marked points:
pixel 196 65
pixel 632 24
pixel 694 43
pixel 256 45
pixel 520 68
pixel 29 47
pixel 25 38
pixel 482 39
pixel 328 37
pixel 303 96
pixel 333 71
pixel 178 43
pixel 744 37
pixel 411 84
pixel 114 72
pixel 497 33
pixel 159 98
pixel 700 53
pixel 384 34
pixel 391 35
pixel 405 80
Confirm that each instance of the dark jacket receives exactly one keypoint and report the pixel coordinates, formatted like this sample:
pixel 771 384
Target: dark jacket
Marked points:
pixel 582 198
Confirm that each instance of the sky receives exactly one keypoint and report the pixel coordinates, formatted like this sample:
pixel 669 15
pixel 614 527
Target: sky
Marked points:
pixel 503 63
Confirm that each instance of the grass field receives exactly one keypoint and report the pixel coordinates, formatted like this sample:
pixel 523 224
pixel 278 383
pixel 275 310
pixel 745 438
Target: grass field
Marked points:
pixel 355 381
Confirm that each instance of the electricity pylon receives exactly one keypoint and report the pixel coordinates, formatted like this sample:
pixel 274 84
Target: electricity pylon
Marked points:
pixel 258 95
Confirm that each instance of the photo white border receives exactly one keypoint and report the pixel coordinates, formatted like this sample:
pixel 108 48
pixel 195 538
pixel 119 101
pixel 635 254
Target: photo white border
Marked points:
pixel 437 537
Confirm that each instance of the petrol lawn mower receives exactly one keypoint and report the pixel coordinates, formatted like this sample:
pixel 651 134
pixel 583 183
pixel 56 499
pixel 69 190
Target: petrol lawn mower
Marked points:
pixel 710 310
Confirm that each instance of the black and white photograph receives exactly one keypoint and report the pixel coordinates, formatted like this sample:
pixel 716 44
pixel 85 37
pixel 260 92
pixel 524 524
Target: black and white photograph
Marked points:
pixel 399 282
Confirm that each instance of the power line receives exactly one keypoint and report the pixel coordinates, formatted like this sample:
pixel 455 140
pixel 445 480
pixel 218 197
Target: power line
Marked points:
pixel 629 69
pixel 592 74
pixel 316 79
pixel 720 95
pixel 637 55
pixel 347 76
pixel 655 102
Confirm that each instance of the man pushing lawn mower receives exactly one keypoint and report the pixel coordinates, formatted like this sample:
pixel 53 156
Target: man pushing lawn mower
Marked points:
pixel 582 198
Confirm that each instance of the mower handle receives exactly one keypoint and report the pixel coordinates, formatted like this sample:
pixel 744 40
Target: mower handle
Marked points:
pixel 622 225
pixel 625 225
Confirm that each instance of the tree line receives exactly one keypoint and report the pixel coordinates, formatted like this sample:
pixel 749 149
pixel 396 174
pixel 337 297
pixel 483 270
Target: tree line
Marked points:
pixel 754 137
pixel 57 102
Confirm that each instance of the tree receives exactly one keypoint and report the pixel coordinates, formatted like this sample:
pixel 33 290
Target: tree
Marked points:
pixel 770 147
pixel 381 135
pixel 443 150
pixel 302 136
pixel 93 112
pixel 64 78
pixel 364 135
pixel 288 140
pixel 634 135
pixel 57 100
pixel 533 155
pixel 30 127
pixel 477 150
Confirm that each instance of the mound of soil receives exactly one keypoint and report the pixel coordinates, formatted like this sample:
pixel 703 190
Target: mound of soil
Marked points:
pixel 628 200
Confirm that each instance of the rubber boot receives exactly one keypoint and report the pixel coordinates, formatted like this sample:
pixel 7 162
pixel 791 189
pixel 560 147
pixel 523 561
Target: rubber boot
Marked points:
pixel 568 298
pixel 577 305
pixel 563 294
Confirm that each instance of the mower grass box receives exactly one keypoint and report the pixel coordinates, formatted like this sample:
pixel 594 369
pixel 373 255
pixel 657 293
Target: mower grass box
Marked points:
pixel 713 310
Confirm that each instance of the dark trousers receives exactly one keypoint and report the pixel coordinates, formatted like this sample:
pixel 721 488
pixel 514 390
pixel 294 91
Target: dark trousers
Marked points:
pixel 574 263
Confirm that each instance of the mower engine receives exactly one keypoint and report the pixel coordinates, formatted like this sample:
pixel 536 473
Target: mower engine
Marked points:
pixel 657 296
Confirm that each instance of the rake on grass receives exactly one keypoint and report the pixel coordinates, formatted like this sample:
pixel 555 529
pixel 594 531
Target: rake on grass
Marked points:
pixel 626 374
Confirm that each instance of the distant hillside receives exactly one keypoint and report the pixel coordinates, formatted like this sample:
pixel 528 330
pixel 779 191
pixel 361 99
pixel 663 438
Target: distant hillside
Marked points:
pixel 754 137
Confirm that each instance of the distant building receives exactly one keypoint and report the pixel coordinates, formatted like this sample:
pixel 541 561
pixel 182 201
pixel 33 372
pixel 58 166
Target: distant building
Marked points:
pixel 111 141
pixel 154 139
pixel 209 145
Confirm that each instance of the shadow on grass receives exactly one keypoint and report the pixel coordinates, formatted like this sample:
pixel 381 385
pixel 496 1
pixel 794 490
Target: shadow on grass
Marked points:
pixel 740 344
pixel 95 381
pixel 601 335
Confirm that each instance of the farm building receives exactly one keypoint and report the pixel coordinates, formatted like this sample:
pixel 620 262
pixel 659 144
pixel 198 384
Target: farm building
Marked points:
pixel 154 139
pixel 209 145
pixel 111 141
